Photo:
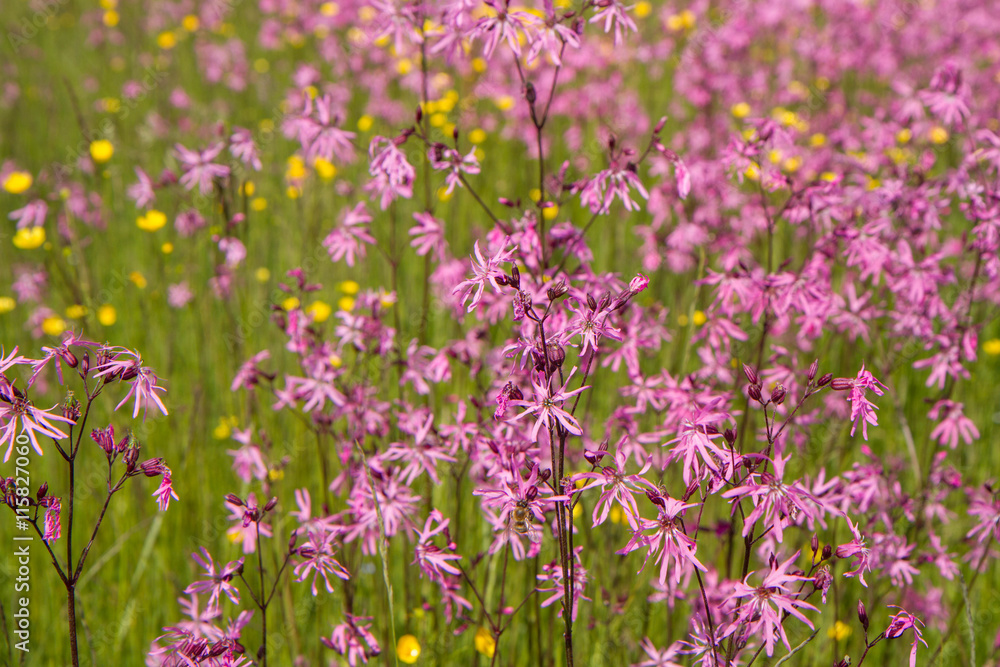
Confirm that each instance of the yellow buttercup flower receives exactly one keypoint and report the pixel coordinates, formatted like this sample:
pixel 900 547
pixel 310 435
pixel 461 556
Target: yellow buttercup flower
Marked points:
pixel 484 642
pixel 152 221
pixel 263 274
pixel 550 212
pixel 53 325
pixel 699 318
pixel 29 238
pixel 101 150
pixel 107 315
pixel 326 170
pixel 17 182
pixel 938 135
pixel 320 310
pixel 190 23
pixel 76 311
pixel 291 303
pixel 365 123
pixel 345 303
pixel 839 632
pixel 408 649
pixel 225 427
pixel 740 110
pixel 992 347
pixel 7 304
pixel 166 40
pixel 138 279
pixel 349 287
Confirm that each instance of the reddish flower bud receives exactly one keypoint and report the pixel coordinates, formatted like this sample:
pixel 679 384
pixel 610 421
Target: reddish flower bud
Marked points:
pixel 234 499
pixel 825 379
pixel 659 125
pixel 751 375
pixel 529 93
pixel 556 290
pixel 69 358
pixel 271 504
pixel 591 302
pixel 43 491
pixel 754 392
pixel 863 615
pixel 515 278
pixel 813 369
pixel 544 475
pixel 778 395
pixel 841 384
pixel 531 493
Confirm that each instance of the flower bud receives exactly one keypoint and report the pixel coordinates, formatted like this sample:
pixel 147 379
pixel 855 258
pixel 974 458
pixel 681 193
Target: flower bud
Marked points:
pixel 69 358
pixel 827 552
pixel 841 384
pixel 130 458
pixel 591 302
pixel 515 278
pixel 751 375
pixel 292 539
pixel 529 93
pixel 863 615
pixel 754 392
pixel 43 491
pixel 515 393
pixel 813 369
pixel 531 493
pixel 659 125
pixel 85 363
pixel 730 436
pixel 815 543
pixel 271 504
pixel 71 409
pixel 419 115
pixel 825 379
pixel 778 395
pixel 556 290
pixel 130 374
pixel 234 499
pixel 544 475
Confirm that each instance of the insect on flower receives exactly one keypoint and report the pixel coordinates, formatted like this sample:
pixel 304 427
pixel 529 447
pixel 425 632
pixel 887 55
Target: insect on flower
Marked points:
pixel 520 521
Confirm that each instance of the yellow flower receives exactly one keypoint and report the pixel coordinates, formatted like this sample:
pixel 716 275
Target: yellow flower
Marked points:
pixel 682 320
pixel 111 18
pixel 17 182
pixel 296 169
pixel 167 248
pixel 138 279
pixel 107 315
pixel 190 23
pixel 258 204
pixel 477 136
pixel 349 287
pixel 335 360
pixel 53 325
pixel 263 274
pixel 329 9
pixel 817 140
pixel 504 102
pixel 152 221
pixel 699 318
pixel 325 168
pixel 76 311
pixel 166 40
pixel 404 66
pixel 261 66
pixel 291 303
pixel 345 303
pixel 29 238
pixel 904 136
pixel 740 110
pixel 7 304
pixel 293 192
pixel 408 649
pixel 101 150
pixel 643 9
pixel 616 515
pixel 248 188
pixel 365 123
pixel 939 135
pixel 484 642
pixel 839 632
pixel 550 212
pixel 577 511
pixel 320 310
pixel 992 347
pixel 225 428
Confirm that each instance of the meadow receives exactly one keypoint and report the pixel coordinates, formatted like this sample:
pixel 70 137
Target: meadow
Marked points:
pixel 453 332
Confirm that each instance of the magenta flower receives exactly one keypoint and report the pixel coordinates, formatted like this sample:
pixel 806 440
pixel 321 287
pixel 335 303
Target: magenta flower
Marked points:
pixel 126 365
pixel 428 235
pixel 199 169
pixel 857 549
pixel 433 560
pixel 902 622
pixel 348 241
pixel 246 527
pixel 53 526
pixel 485 271
pixel 317 556
pixel 862 410
pixel 657 658
pixel 165 492
pixel 216 582
pixel 591 324
pixel 762 607
pixel 142 193
pixel 31 214
pixel 777 503
pixel 668 540
pixel 392 175
pixel 18 415
pixel 517 493
pixel 353 638
pixel 244 148
pixel 546 405
pixel 442 157
pixel 503 26
pixel 553 574
pixel 616 485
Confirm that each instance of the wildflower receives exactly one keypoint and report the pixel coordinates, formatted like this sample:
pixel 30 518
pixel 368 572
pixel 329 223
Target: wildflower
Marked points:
pixel 900 623
pixel 348 241
pixel 17 182
pixel 216 582
pixel 317 556
pixel 591 324
pixel 616 485
pixel 599 193
pixel 142 192
pixel 165 492
pixel 353 638
pixel 31 215
pixel 101 150
pixel 502 26
pixel 862 410
pixel 244 148
pixel 856 549
pixel 408 649
pixel 442 157
pixel 778 503
pixel 554 574
pixel 199 168
pixel 658 658
pixel 53 528
pixel 248 524
pixel 428 235
pixel 29 238
pixel 668 539
pixel 484 642
pixel 485 271
pixel 18 416
pixel 392 175
pixel 126 365
pixel 544 406
pixel 612 12
pixel 762 607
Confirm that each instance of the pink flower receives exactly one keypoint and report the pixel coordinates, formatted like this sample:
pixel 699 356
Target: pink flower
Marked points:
pixel 902 622
pixel 777 503
pixel 348 241
pixel 762 607
pixel 484 271
pixel 616 485
pixel 392 175
pixel 142 192
pixel 199 169
pixel 18 415
pixel 165 492
pixel 862 410
pixel 668 540
pixel 856 549
pixel 546 405
pixel 353 638
pixel 317 556
pixel 433 560
pixel 31 214
pixel 217 582
pixel 428 235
